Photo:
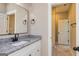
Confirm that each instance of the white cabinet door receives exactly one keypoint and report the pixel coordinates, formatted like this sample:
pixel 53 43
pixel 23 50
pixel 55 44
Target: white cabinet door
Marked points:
pixel 28 53
pixel 21 52
pixel 37 50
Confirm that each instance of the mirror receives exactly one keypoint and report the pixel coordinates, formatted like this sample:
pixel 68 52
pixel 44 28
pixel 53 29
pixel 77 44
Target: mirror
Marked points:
pixel 13 18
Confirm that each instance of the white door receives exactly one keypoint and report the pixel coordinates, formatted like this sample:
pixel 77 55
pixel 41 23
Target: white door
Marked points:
pixel 63 31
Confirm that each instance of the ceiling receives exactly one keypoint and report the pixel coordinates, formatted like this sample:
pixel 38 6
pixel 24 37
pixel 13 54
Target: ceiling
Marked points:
pixel 61 7
pixel 56 4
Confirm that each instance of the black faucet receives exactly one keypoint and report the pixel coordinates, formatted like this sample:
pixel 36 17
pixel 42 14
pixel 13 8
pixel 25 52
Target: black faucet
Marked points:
pixel 15 38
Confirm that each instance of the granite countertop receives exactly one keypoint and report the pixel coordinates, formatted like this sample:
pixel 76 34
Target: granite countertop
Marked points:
pixel 7 48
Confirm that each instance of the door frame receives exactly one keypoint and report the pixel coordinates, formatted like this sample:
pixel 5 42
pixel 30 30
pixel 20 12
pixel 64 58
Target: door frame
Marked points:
pixel 10 13
pixel 52 30
pixel 77 27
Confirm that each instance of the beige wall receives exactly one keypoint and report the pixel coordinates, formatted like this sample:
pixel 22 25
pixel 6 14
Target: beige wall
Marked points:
pixel 72 19
pixel 40 13
pixel 62 16
pixel 2 8
pixel 53 26
pixel 72 13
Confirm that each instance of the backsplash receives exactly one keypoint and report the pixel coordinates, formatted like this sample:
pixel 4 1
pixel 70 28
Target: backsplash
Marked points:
pixel 8 36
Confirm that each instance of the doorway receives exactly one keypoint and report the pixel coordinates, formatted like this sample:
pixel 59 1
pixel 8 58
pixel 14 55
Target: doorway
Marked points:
pixel 64 29
pixel 11 23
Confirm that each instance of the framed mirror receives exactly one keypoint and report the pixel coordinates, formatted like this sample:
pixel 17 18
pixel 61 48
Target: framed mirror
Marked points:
pixel 13 18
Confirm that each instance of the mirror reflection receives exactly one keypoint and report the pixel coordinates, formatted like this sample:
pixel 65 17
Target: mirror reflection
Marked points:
pixel 13 18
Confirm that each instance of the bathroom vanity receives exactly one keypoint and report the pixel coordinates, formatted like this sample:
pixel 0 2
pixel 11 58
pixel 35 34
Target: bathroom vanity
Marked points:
pixel 25 46
pixel 15 23
pixel 33 49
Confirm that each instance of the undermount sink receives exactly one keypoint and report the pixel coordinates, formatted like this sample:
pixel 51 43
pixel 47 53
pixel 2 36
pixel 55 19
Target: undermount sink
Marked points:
pixel 19 43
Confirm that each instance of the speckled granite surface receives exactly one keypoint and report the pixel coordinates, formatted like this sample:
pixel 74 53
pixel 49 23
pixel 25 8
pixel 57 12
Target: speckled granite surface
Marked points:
pixel 7 48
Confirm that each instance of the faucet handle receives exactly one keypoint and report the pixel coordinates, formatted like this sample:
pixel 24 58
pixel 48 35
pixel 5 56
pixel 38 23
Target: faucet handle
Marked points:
pixel 12 39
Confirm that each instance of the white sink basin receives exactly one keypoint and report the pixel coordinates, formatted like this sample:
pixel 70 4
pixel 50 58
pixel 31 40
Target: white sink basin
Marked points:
pixel 19 43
